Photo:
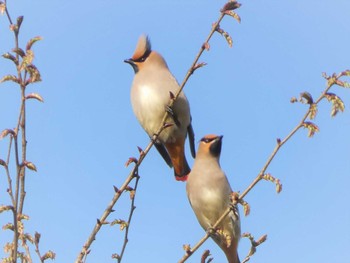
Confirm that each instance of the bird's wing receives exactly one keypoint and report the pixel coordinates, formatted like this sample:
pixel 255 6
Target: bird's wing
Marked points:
pixel 191 140
pixel 163 152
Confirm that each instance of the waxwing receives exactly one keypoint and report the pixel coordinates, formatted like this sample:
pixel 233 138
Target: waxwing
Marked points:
pixel 151 92
pixel 209 193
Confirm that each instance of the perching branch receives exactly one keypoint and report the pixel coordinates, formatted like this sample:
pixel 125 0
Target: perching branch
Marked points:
pixel 311 114
pixel 163 125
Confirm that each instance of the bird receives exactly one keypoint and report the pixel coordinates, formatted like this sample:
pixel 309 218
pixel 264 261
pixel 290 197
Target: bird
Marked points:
pixel 152 89
pixel 209 194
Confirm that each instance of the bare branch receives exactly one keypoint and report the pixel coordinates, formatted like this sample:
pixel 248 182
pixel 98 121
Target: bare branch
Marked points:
pixel 163 125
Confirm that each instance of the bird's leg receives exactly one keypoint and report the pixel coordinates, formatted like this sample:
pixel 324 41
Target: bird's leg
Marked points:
pixel 211 231
pixel 171 112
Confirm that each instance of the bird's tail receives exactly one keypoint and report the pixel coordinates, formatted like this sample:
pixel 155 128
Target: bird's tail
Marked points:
pixel 177 154
pixel 231 253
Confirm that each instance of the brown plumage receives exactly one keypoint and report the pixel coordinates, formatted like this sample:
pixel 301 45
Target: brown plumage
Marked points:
pixel 150 95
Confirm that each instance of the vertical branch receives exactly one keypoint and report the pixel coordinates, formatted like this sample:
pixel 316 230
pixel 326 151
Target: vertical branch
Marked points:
pixel 24 146
pixel 27 73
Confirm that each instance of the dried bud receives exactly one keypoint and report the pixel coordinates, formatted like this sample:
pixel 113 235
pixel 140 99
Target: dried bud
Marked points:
pixel 32 41
pixel 198 65
pixel 277 182
pixel 3 163
pixel 231 5
pixel 34 96
pixel 48 255
pixel 140 150
pixel 9 78
pixel 2 7
pixel 19 21
pixel 206 46
pixel 30 166
pixel 234 15
pixel 205 255
pixel 311 127
pixel 313 111
pixel 337 103
pixel 6 132
pixel 19 52
pixel 305 97
pixel 187 248
pixel 261 240
pixel 37 238
pixel 131 160
pixel 5 208
pixel 115 256
pixel 293 100
pixel 225 35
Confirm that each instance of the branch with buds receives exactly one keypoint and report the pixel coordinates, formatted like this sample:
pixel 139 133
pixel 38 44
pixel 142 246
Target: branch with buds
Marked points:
pixel 305 98
pixel 226 10
pixel 27 73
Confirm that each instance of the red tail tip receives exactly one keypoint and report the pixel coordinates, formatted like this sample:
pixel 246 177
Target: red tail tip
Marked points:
pixel 182 178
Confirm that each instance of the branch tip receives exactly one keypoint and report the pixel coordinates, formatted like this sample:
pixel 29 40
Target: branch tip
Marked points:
pixel 231 5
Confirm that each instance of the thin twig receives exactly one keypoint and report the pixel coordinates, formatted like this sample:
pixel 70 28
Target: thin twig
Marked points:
pixel 331 82
pixel 17 198
pixel 83 253
pixel 132 209
pixel 207 235
pixel 281 143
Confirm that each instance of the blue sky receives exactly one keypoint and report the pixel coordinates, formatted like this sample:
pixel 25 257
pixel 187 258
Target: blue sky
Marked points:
pixel 85 131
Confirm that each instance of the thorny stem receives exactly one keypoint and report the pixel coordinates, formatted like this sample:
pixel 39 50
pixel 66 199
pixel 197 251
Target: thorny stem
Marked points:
pixel 260 175
pixel 83 253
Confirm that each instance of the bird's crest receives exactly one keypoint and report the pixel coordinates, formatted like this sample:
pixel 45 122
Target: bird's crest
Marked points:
pixel 142 48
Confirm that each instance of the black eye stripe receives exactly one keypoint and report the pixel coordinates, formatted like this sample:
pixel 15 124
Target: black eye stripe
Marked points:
pixel 207 140
pixel 144 56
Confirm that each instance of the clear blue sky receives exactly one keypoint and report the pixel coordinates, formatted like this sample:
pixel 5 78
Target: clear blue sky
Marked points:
pixel 82 135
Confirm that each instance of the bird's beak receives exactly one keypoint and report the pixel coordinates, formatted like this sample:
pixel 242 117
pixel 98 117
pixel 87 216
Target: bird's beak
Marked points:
pixel 132 63
pixel 129 61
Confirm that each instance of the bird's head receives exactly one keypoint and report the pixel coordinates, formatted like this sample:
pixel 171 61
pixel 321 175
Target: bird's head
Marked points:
pixel 144 56
pixel 210 145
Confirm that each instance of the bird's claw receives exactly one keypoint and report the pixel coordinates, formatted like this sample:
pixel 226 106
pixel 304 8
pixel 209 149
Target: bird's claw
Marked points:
pixel 171 112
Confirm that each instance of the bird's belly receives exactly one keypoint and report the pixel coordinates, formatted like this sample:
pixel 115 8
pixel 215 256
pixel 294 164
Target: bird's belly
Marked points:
pixel 210 209
pixel 149 108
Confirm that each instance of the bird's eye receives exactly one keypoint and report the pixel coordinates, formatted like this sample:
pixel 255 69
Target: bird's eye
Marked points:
pixel 144 56
pixel 207 140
